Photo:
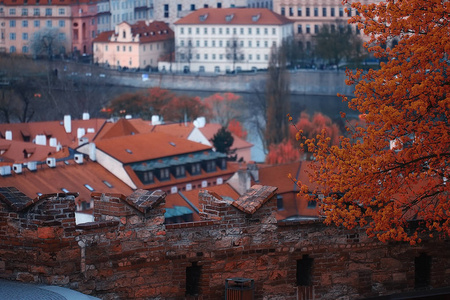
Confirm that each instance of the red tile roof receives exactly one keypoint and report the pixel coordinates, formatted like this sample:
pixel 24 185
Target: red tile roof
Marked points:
pixel 18 152
pixel 73 177
pixel 47 2
pixel 52 129
pixel 147 146
pixel 148 33
pixel 211 129
pixel 234 16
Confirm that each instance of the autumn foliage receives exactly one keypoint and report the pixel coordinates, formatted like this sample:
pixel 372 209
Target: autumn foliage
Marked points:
pixel 282 153
pixel 235 127
pixel 223 107
pixel 391 176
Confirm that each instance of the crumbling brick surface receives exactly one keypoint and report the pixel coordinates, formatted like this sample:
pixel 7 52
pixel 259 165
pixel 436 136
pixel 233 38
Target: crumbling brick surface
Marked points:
pixel 128 253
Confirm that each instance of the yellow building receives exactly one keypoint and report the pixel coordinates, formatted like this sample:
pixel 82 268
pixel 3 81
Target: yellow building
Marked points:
pixel 134 46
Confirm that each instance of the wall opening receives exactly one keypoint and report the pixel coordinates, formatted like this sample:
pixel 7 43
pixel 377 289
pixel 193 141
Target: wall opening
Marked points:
pixel 422 271
pixel 304 271
pixel 193 274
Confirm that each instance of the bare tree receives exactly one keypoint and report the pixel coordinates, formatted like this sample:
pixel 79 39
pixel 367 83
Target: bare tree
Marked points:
pixel 47 42
pixel 185 53
pixel 277 93
pixel 234 51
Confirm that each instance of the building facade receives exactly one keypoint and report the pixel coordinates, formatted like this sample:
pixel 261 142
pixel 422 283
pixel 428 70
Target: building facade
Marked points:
pixel 227 40
pixel 133 46
pixel 309 17
pixel 21 20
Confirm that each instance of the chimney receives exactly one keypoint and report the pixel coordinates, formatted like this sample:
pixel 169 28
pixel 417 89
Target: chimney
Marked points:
pixel 156 120
pixel 53 142
pixel 240 181
pixel 41 140
pixel 86 116
pixel 92 152
pixel 200 122
pixel 80 132
pixel 8 135
pixel 68 123
pixel 253 170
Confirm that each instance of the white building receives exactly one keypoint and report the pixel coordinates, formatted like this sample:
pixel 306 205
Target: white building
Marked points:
pixel 228 39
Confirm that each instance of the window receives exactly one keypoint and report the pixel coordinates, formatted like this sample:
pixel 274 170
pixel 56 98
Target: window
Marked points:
pixel 25 36
pixel 206 56
pixel 195 169
pixel 304 271
pixel 299 29
pixel 189 30
pixel 349 12
pixel 193 274
pixel 180 171
pixel 12 11
pixel 192 7
pixel 257 30
pixel 316 29
pixel 48 11
pixel 220 43
pixel 227 30
pixel 37 23
pixel 213 43
pixel 36 12
pixel 49 23
pixel 257 44
pixel 182 30
pixel 197 43
pixel 24 11
pixel 299 12
pixel 316 12
pixel 249 31
pixel 308 29
pixel 197 30
pixel 291 11
pixel 266 31
pixel 205 30
pixel 12 36
pixel 130 48
pixel 179 7
pixel 206 43
pixel 422 271
pixel 25 49
pixel 166 10
pixel 283 12
pixel 249 43
pixel 312 204
pixel 210 166
pixel 12 49
pixel 250 57
pixel 61 36
pixel 197 56
pixel 341 12
pixel 12 23
pixel 118 48
pixel 307 12
pixel 90 188
pixel 220 30
pixel 61 11
pixel 213 30
pixel 274 31
pixel 332 12
pixel 324 11
pixel 124 48
pixel 62 23
pixel 164 174
pixel 279 202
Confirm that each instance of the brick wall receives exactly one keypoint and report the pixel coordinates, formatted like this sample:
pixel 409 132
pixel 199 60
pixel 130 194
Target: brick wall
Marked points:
pixel 128 253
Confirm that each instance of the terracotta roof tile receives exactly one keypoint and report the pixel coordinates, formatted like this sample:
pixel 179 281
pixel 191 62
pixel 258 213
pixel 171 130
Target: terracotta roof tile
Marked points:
pixel 147 146
pixel 240 16
pixel 153 32
pixel 144 201
pixel 254 198
pixel 18 152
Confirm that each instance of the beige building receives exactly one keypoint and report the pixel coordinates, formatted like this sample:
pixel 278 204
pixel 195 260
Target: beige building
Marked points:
pixel 309 16
pixel 20 20
pixel 228 39
pixel 134 46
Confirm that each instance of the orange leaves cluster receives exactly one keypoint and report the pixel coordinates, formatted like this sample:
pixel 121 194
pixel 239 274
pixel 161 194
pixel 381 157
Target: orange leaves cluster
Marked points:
pixel 402 193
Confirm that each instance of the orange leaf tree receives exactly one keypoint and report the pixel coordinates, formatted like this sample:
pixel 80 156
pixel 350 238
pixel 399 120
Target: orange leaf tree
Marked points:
pixel 400 192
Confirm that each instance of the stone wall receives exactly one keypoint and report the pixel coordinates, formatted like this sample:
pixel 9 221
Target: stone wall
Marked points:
pixel 128 252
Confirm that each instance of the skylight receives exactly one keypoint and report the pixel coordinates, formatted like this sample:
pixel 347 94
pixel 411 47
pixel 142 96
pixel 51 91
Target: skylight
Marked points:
pixel 108 184
pixel 65 190
pixel 129 151
pixel 89 187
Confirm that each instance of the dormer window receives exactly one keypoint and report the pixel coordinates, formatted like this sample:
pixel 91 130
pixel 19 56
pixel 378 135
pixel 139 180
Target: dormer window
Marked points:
pixel 210 166
pixel 164 174
pixel 124 34
pixel 228 18
pixel 146 177
pixel 195 169
pixel 255 18
pixel 179 171
pixel 203 18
